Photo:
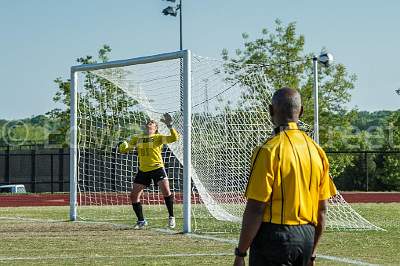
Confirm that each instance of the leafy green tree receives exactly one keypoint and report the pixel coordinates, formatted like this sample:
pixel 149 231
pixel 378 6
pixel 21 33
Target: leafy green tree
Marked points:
pixel 389 174
pixel 374 131
pixel 63 94
pixel 29 131
pixel 98 99
pixel 285 64
pixel 365 120
pixel 105 112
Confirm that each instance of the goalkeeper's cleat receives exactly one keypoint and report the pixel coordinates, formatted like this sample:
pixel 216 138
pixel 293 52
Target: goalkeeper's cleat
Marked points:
pixel 140 225
pixel 171 222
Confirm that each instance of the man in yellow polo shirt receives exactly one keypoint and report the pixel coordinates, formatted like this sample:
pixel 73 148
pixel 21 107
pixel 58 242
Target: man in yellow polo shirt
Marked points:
pixel 287 192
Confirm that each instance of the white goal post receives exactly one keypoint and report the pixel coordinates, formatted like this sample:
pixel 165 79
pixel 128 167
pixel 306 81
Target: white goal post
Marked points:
pixel 185 55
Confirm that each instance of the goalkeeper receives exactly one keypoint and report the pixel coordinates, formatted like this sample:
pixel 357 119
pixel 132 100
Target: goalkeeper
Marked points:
pixel 151 166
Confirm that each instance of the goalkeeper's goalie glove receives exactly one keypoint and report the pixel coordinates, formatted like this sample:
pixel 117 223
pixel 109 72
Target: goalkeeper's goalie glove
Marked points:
pixel 122 147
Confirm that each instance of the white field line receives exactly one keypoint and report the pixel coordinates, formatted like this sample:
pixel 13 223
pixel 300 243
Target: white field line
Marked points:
pixel 346 260
pixel 27 219
pixel 166 231
pixel 3 258
pixel 24 219
pixel 333 258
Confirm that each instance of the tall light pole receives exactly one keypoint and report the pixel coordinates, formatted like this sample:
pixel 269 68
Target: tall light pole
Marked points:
pixel 173 11
pixel 325 59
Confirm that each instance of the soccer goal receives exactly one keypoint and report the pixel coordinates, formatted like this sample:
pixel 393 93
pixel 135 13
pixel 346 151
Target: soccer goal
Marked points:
pixel 219 109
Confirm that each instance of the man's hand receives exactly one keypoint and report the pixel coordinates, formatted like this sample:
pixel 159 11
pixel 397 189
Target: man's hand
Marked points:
pixel 167 119
pixel 311 262
pixel 239 261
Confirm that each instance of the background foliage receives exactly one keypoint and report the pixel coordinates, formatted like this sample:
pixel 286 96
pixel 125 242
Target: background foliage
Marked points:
pixel 286 64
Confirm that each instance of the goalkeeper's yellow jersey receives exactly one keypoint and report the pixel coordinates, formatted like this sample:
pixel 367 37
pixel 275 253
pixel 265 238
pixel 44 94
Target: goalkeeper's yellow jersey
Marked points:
pixel 149 149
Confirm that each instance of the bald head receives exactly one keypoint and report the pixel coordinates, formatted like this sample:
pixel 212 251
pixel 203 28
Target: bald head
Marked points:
pixel 286 106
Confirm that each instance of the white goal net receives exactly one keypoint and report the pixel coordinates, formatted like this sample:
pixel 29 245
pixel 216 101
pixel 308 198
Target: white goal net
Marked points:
pixel 229 119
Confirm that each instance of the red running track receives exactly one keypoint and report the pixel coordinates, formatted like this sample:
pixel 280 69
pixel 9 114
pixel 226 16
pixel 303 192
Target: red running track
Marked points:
pixel 63 199
pixel 371 197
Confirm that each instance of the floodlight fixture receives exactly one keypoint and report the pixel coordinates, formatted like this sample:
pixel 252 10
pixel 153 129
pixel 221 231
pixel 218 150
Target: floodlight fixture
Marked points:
pixel 170 11
pixel 173 11
pixel 325 59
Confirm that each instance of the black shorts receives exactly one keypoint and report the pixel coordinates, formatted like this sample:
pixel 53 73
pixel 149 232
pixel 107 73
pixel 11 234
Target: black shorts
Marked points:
pixel 144 178
pixel 277 244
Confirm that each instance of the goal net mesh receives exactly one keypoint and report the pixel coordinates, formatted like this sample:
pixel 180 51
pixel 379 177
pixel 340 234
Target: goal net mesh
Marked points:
pixel 229 119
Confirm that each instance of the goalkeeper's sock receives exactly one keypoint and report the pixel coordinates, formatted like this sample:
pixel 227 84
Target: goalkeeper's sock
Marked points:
pixel 169 202
pixel 137 208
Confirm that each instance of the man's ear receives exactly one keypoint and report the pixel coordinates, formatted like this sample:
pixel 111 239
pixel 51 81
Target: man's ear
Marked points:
pixel 301 111
pixel 271 110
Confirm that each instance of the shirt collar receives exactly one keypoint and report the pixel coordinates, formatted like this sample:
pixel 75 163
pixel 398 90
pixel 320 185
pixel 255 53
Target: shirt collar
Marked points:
pixel 290 125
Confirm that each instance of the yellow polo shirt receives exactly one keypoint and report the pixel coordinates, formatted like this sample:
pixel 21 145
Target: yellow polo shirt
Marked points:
pixel 149 149
pixel 290 172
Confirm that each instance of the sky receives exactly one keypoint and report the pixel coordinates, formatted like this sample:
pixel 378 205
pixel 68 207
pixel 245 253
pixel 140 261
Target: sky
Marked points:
pixel 41 39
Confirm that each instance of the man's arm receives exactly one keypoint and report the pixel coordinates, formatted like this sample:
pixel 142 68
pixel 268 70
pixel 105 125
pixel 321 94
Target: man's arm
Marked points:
pixel 322 209
pixel 252 219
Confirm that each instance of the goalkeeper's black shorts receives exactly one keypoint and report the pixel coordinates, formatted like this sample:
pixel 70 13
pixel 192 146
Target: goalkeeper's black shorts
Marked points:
pixel 144 178
pixel 277 244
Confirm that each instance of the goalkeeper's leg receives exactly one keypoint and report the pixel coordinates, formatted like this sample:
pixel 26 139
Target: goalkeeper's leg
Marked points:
pixel 169 201
pixel 136 192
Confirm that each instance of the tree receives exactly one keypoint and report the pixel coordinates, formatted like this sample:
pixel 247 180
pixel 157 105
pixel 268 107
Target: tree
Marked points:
pixel 105 113
pixel 281 55
pixel 99 99
pixel 389 175
pixel 28 131
pixel 63 94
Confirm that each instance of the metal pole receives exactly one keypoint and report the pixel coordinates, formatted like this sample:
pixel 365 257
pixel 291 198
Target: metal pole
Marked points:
pixel 180 25
pixel 127 62
pixel 316 122
pixel 61 170
pixel 207 109
pixel 7 162
pixel 187 163
pixel 51 173
pixel 33 171
pixel 366 169
pixel 73 160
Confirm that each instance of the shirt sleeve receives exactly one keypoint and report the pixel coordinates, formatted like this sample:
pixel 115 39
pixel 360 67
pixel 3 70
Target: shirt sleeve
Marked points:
pixel 164 139
pixel 327 188
pixel 259 186
pixel 132 143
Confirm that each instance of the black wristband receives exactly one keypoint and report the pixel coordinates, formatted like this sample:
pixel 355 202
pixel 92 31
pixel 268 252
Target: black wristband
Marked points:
pixel 169 126
pixel 313 258
pixel 240 254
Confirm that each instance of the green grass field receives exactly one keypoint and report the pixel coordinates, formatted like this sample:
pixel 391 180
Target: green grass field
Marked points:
pixel 43 236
